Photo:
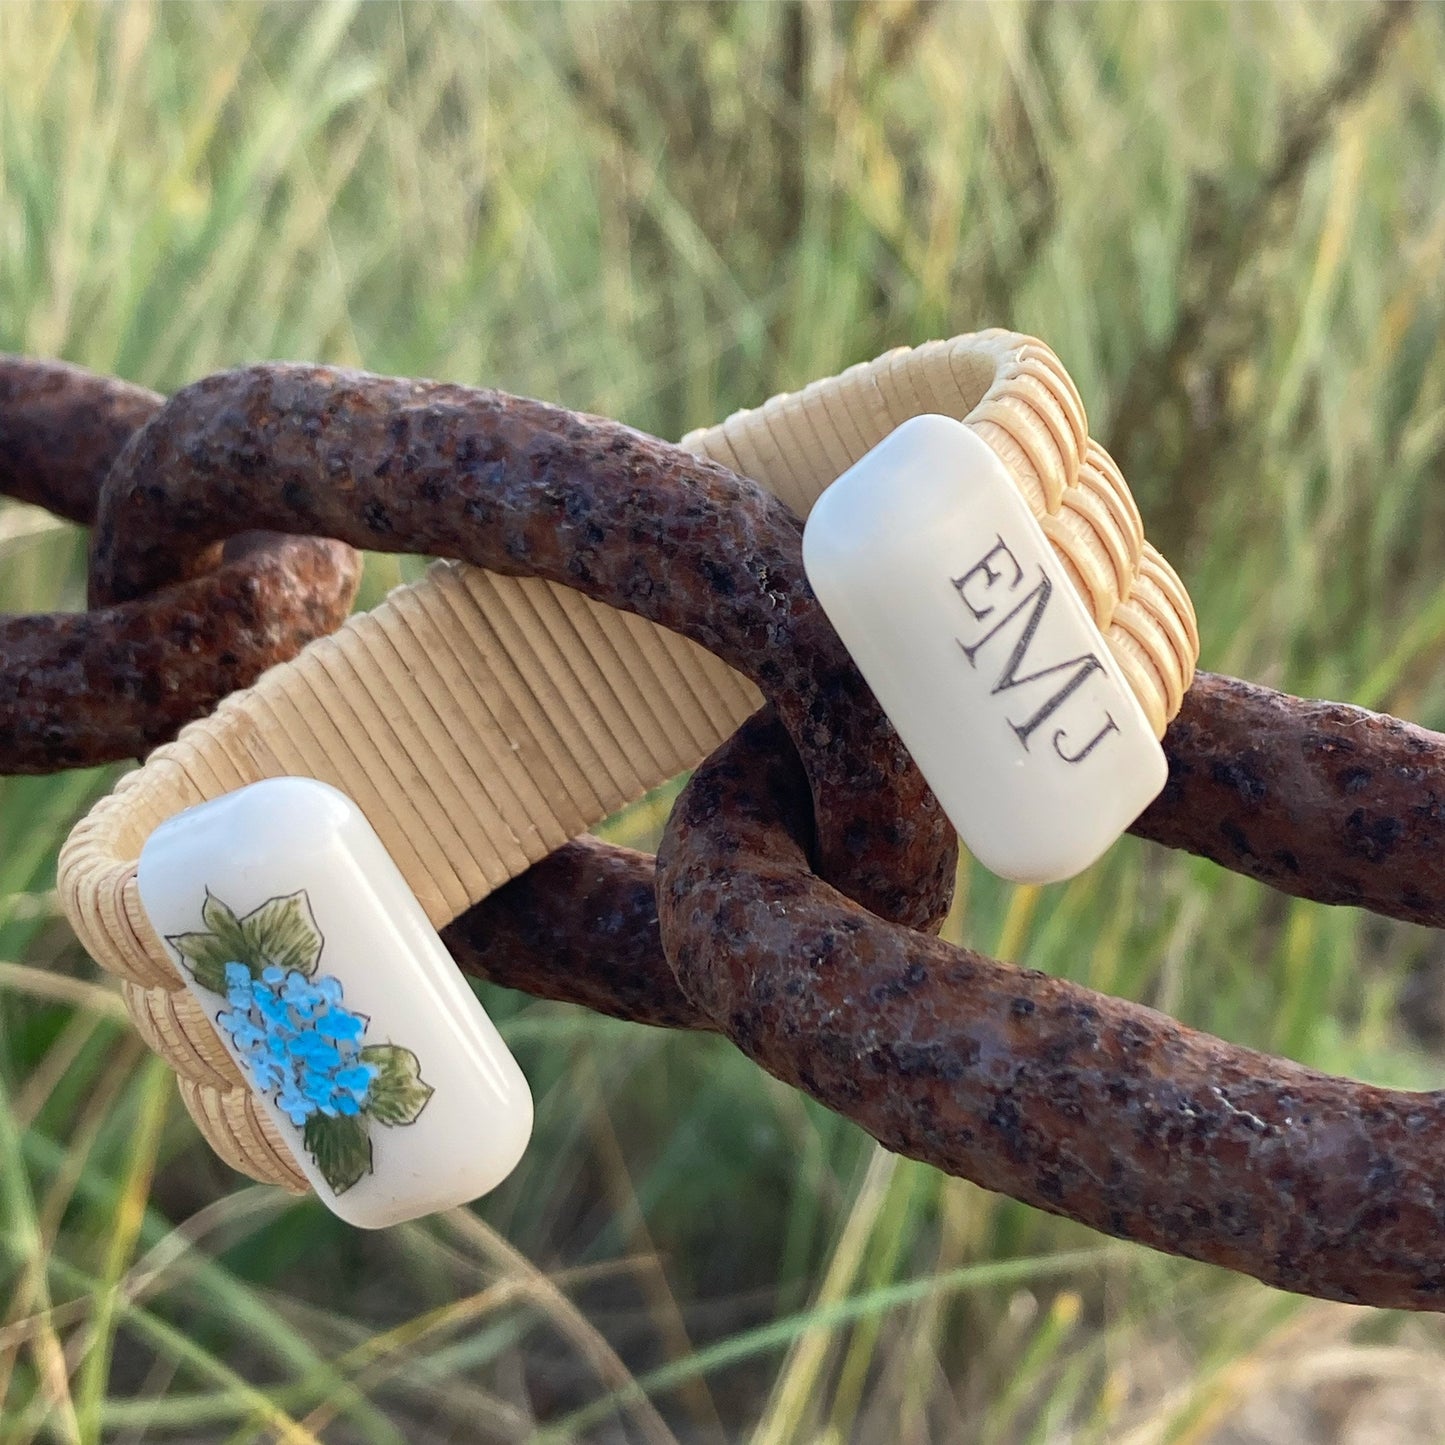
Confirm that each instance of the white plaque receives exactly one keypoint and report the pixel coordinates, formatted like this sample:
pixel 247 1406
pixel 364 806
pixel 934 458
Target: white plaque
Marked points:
pixel 294 928
pixel 962 620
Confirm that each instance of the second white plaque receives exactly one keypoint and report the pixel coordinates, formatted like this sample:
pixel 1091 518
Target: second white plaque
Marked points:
pixel 958 612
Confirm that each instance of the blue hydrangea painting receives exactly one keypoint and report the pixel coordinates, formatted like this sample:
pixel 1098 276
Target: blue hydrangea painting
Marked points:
pixel 295 1037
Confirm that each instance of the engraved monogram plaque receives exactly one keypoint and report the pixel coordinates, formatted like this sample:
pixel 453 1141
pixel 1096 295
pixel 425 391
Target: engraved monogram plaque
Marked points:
pixel 962 620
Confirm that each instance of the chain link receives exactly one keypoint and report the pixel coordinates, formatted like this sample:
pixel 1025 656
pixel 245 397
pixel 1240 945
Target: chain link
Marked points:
pixel 83 688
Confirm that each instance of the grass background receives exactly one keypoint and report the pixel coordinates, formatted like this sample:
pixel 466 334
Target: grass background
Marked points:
pixel 1230 223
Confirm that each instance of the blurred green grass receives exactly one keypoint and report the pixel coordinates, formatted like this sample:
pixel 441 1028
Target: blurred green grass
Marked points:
pixel 1230 223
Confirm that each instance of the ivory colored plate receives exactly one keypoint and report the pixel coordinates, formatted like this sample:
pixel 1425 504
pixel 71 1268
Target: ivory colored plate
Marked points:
pixel 296 931
pixel 960 616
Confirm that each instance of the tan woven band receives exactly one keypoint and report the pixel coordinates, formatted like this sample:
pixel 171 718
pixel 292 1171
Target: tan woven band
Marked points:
pixel 481 721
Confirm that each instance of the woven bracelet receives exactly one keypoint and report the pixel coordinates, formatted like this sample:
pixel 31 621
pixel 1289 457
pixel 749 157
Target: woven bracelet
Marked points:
pixel 479 721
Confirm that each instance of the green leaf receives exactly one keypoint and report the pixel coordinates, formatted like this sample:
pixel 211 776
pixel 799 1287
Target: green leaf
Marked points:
pixel 229 935
pixel 340 1147
pixel 398 1093
pixel 283 931
pixel 205 956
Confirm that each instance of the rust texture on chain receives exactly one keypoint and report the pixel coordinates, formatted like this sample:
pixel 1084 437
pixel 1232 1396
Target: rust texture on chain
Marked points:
pixel 84 688
pixel 1085 1105
pixel 998 1074
pixel 1002 1075
pixel 1318 799
pixel 532 490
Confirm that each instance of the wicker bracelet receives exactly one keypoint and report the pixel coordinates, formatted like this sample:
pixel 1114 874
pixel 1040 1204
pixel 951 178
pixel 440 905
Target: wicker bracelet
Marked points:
pixel 478 721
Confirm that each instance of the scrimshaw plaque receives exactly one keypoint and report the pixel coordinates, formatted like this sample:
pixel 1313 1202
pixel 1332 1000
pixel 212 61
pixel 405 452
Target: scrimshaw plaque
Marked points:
pixel 962 620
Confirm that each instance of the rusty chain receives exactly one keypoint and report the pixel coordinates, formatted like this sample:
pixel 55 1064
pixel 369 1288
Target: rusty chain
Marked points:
pixel 527 489
pixel 83 688
pixel 997 1074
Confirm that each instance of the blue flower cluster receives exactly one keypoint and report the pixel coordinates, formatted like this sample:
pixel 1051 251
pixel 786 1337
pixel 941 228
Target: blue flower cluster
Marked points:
pixel 293 1035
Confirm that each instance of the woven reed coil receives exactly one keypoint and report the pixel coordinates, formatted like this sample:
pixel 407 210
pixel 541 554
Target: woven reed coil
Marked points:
pixel 480 721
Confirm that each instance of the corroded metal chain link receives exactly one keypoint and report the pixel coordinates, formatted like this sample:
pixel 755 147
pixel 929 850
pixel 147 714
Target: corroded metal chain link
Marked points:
pixel 82 688
pixel 526 489
pixel 1001 1075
